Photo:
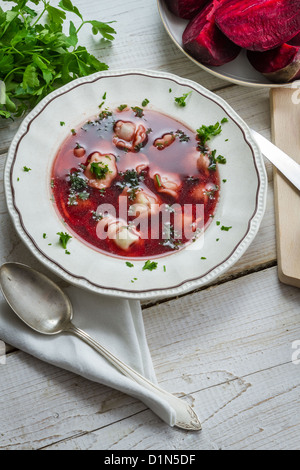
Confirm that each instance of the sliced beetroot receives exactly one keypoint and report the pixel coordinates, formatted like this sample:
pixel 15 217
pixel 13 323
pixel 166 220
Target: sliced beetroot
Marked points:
pixel 259 25
pixel 280 65
pixel 205 42
pixel 186 9
pixel 295 41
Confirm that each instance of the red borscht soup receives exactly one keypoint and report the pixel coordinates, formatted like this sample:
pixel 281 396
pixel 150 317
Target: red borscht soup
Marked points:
pixel 136 183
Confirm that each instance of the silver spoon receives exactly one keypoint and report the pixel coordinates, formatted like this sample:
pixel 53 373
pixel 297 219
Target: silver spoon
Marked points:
pixel 45 308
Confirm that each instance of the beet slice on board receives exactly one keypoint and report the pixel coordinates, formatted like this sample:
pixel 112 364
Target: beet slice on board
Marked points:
pixel 280 65
pixel 205 42
pixel 259 25
pixel 186 9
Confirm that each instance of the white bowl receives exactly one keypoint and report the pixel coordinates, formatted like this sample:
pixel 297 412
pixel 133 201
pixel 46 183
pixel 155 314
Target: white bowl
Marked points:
pixel 30 202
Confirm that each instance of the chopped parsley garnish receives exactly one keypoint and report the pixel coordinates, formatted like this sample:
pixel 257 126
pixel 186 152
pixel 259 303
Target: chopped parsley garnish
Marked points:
pixel 170 90
pixel 212 192
pixel 218 223
pixel 130 265
pixel 78 187
pixel 131 181
pixel 222 160
pixel 139 112
pixel 44 235
pixel 62 123
pixel 224 181
pixel 145 102
pixel 131 178
pixel 158 181
pixel 181 100
pixel 165 269
pixel 26 169
pixel 96 216
pixel 132 193
pixel 170 237
pixel 100 170
pixel 64 239
pixel 182 136
pixel 72 199
pixel 139 146
pixel 214 160
pixel 150 265
pixel 225 229
pixel 104 96
pixel 73 132
pixel 205 133
pixel 78 183
pixel 105 114
pixel 84 196
pixel 203 257
pixel 122 107
pixel 192 179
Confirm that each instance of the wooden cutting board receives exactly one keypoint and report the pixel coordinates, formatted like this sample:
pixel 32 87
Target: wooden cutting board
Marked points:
pixel 285 112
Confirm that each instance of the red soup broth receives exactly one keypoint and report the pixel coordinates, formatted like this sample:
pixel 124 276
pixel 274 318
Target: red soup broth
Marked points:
pixel 150 159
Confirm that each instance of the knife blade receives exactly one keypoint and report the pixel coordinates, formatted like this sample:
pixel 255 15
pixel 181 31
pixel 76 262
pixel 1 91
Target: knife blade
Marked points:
pixel 285 164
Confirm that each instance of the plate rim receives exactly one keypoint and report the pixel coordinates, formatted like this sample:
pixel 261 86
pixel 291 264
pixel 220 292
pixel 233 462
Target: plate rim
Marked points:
pixel 215 73
pixel 146 294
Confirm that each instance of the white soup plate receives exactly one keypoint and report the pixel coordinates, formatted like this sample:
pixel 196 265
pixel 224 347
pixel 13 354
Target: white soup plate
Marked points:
pixel 30 200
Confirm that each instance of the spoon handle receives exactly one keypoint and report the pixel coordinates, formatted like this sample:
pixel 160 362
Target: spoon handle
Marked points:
pixel 186 418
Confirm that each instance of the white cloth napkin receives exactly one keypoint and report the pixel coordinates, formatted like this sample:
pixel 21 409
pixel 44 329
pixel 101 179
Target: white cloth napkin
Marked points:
pixel 116 323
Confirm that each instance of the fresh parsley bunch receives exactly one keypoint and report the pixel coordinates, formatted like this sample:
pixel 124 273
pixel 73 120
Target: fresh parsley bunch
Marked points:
pixel 37 55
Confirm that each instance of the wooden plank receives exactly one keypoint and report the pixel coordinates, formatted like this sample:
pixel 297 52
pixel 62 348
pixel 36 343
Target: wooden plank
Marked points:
pixel 198 343
pixel 256 412
pixel 285 130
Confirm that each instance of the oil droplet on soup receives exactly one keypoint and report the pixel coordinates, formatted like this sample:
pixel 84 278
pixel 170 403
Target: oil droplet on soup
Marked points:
pixel 123 182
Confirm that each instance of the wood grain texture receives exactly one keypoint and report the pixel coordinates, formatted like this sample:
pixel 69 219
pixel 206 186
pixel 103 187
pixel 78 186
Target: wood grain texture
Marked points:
pixel 265 409
pixel 285 105
pixel 230 352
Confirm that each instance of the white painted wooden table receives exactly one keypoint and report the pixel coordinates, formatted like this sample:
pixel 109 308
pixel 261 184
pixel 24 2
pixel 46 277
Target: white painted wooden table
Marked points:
pixel 227 347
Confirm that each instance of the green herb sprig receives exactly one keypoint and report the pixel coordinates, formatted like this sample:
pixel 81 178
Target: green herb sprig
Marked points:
pixel 64 239
pixel 181 100
pixel 37 57
pixel 205 133
pixel 100 170
pixel 150 265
